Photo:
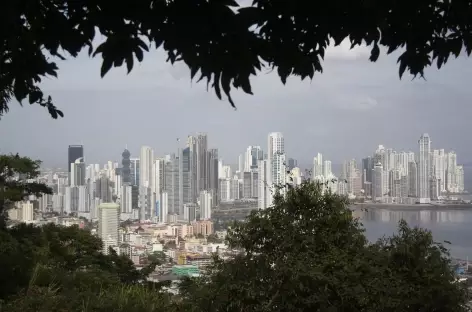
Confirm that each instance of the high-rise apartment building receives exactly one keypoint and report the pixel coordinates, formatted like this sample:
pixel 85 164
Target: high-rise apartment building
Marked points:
pixel 317 167
pixel 276 166
pixel 213 184
pixel 126 202
pixel 146 162
pixel 424 168
pixel 252 156
pixel 108 225
pixel 74 152
pixel 173 184
pixel 250 184
pixel 103 189
pixel 378 184
pixel 187 174
pixel 134 171
pixel 412 179
pixel 264 190
pixel 77 172
pixel 206 203
pixel 438 163
pixel 201 162
pixel 164 207
pixel 451 169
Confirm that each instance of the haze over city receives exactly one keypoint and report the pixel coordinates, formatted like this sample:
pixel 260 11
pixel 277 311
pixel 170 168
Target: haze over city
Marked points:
pixel 345 112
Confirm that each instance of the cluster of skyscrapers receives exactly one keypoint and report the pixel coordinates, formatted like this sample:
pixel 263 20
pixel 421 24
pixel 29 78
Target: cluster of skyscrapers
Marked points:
pixel 408 177
pixel 188 184
pixel 179 186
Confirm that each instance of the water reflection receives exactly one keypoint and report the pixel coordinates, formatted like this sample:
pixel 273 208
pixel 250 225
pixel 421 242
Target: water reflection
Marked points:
pixel 446 225
pixel 412 217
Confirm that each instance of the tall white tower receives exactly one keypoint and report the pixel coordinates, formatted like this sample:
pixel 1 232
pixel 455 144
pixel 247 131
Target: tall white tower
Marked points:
pixel 146 183
pixel 424 169
pixel 206 202
pixel 108 224
pixel 263 189
pixel 275 162
pixel 146 162
pixel 317 166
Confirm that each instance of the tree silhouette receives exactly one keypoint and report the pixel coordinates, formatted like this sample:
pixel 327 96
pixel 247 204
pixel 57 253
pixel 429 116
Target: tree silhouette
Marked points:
pixel 308 253
pixel 224 43
pixel 17 181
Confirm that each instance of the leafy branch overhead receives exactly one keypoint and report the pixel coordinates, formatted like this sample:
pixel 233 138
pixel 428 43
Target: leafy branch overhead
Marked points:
pixel 223 43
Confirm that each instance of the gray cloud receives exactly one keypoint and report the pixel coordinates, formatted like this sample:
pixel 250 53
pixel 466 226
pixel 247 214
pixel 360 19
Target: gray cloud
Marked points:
pixel 343 113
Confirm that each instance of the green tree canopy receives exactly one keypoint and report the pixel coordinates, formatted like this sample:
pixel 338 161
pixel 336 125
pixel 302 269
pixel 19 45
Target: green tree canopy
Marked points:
pixel 18 181
pixel 224 43
pixel 307 253
pixel 213 238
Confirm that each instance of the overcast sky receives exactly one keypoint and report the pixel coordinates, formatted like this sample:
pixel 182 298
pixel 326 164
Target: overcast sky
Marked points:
pixel 343 113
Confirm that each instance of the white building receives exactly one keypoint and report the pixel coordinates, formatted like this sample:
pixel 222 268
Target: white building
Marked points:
pixel 108 225
pixel 424 169
pixel 276 170
pixel 164 207
pixel 438 163
pixel 206 202
pixel 23 212
pixel 378 183
pixel 252 157
pixel 317 167
pixel 263 189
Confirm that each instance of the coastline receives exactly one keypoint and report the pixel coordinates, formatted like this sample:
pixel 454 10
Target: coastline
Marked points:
pixel 415 207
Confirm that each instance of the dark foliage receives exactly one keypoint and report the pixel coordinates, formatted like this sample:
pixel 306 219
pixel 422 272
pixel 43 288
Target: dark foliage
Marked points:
pixel 306 253
pixel 17 182
pixel 221 42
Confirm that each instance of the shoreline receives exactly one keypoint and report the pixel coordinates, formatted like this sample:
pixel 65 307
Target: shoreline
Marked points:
pixel 406 207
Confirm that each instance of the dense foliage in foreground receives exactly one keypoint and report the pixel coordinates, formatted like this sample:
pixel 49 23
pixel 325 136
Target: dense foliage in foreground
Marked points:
pixel 306 253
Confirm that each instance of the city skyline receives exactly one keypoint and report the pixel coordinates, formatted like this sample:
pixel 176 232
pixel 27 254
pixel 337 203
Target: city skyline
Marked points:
pixel 233 161
pixel 346 111
pixel 187 185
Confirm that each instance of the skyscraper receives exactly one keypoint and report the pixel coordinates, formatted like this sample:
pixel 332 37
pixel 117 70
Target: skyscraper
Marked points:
pixel 103 189
pixel 126 199
pixel 276 172
pixel 187 175
pixel 378 185
pixel 206 203
pixel 317 166
pixel 126 169
pixel 424 169
pixel 252 157
pixel 263 189
pixel 77 172
pixel 74 151
pixel 108 224
pixel 213 183
pixel 412 179
pixel 201 158
pixel 146 162
pixel 173 184
pixel 438 164
pixel 147 197
pixel 292 163
pixel 134 171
